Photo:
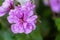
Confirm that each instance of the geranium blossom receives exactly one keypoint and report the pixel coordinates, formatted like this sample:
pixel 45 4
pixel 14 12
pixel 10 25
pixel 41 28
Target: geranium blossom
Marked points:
pixel 55 5
pixel 5 7
pixel 22 18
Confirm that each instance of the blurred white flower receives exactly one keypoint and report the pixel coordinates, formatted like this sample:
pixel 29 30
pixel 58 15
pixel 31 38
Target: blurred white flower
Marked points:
pixel 36 2
pixel 22 1
pixel 46 2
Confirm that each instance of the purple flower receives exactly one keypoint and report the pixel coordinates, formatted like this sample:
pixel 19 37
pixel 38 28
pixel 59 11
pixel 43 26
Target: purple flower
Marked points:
pixel 22 18
pixel 55 5
pixel 6 6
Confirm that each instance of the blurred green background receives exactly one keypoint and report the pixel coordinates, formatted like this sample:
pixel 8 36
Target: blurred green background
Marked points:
pixel 48 29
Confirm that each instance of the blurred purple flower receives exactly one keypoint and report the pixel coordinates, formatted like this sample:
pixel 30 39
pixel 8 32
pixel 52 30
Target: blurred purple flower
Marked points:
pixel 22 18
pixel 6 6
pixel 55 5
pixel 46 2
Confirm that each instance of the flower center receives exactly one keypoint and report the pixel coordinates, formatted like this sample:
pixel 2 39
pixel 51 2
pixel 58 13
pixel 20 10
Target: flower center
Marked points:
pixel 21 20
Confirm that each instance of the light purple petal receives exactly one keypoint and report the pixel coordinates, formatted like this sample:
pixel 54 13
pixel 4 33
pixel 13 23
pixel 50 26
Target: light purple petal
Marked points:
pixel 11 12
pixel 30 13
pixel 2 14
pixel 16 12
pixel 27 28
pixel 16 28
pixel 6 6
pixel 33 26
pixel 27 15
pixel 32 19
pixel 2 11
pixel 30 5
pixel 12 19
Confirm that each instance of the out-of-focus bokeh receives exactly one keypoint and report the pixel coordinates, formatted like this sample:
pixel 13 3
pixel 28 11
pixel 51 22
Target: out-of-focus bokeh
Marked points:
pixel 47 27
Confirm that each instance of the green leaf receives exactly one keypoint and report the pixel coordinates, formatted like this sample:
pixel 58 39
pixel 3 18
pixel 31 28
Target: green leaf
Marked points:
pixel 7 36
pixel 20 37
pixel 4 23
pixel 57 37
pixel 1 38
pixel 46 13
pixel 1 1
pixel 57 22
pixel 45 27
pixel 36 35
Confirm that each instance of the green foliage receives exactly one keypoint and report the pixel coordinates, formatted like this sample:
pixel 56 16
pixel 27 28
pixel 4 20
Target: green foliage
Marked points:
pixel 57 21
pixel 36 35
pixel 58 37
pixel 1 2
